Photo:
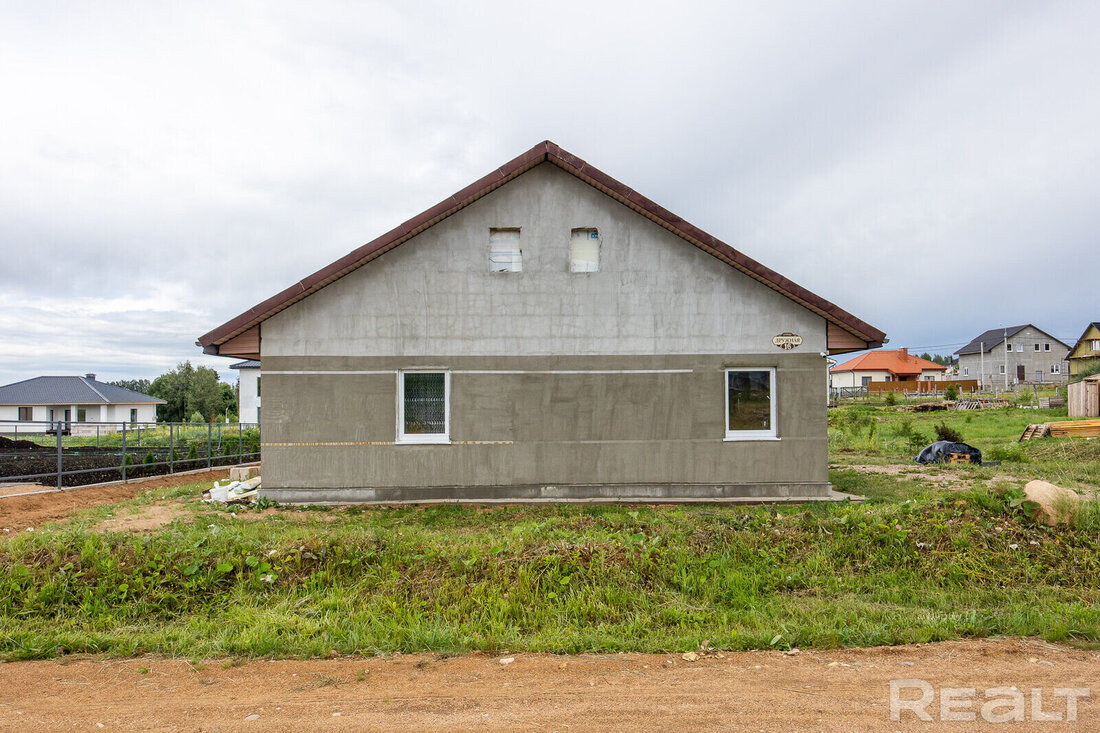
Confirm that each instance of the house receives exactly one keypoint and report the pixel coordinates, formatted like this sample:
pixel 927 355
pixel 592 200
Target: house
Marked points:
pixel 544 334
pixel 885 366
pixel 42 404
pixel 1014 355
pixel 1086 351
pixel 248 390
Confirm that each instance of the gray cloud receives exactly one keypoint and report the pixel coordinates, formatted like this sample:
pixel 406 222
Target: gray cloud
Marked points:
pixel 932 168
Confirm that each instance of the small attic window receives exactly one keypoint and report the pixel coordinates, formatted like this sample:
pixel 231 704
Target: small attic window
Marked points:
pixel 505 254
pixel 584 250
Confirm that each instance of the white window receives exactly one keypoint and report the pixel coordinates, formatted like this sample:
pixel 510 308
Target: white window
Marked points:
pixel 750 404
pixel 966 371
pixel 1019 348
pixel 1055 368
pixel 423 406
pixel 584 250
pixel 26 413
pixel 505 254
pixel 1095 345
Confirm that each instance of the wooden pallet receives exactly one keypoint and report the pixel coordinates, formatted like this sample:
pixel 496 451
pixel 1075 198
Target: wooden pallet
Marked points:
pixel 959 458
pixel 1035 431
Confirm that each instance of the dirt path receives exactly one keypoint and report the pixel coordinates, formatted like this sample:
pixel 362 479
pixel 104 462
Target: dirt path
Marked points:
pixel 843 690
pixel 19 512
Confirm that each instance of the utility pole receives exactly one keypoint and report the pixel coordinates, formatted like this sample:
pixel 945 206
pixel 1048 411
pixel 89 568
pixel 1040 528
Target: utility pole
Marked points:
pixel 1006 359
pixel 981 369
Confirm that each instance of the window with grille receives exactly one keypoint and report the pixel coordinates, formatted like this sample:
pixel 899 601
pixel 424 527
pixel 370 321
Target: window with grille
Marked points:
pixel 750 404
pixel 505 254
pixel 584 250
pixel 424 407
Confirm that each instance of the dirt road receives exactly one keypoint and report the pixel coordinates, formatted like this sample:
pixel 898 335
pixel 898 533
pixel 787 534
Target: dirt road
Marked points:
pixel 19 512
pixel 843 690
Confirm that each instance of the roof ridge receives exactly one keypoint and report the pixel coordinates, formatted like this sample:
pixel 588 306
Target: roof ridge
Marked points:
pixel 92 387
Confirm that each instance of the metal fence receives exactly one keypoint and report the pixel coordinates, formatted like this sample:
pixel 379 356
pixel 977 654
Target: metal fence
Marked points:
pixel 69 453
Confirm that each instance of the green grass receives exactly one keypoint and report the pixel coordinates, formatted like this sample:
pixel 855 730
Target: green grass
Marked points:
pixel 914 564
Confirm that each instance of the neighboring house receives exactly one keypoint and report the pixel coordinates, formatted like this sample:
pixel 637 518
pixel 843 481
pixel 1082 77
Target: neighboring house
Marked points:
pixel 885 366
pixel 1014 355
pixel 44 403
pixel 1086 351
pixel 544 334
pixel 248 390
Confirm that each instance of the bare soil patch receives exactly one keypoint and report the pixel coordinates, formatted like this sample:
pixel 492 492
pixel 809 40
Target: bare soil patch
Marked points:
pixel 20 512
pixel 842 690
pixel 147 519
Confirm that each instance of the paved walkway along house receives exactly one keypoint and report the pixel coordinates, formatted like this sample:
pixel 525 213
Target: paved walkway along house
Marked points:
pixel 546 333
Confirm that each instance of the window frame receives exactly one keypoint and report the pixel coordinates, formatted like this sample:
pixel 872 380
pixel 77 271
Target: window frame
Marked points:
pixel 1019 348
pixel 30 412
pixel 742 435
pixel 966 371
pixel 518 261
pixel 1002 368
pixel 443 438
pixel 599 247
pixel 1036 348
pixel 1056 369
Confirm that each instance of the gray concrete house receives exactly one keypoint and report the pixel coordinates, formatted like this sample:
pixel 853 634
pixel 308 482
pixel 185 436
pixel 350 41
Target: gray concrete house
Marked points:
pixel 1002 357
pixel 546 333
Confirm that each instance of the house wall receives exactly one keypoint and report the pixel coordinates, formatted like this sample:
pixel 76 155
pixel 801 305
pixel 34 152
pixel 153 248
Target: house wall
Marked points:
pixel 248 401
pixel 564 385
pixel 1083 354
pixel 1035 363
pixel 854 377
pixel 10 423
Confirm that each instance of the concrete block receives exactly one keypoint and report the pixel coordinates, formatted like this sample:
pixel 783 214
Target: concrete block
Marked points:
pixel 243 473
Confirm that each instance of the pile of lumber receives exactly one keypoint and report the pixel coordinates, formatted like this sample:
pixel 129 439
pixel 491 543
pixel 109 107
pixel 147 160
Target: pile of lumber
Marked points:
pixel 1076 429
pixel 1071 429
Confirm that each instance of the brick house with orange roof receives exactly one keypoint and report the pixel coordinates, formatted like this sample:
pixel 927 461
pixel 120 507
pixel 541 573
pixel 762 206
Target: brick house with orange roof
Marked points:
pixel 897 365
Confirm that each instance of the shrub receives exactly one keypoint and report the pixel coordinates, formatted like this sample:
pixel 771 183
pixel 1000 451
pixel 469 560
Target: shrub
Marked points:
pixel 891 399
pixel 193 453
pixel 952 392
pixel 149 458
pixel 943 432
pixel 196 416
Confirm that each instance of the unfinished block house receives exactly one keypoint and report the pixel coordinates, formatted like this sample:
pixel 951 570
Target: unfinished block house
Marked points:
pixel 546 333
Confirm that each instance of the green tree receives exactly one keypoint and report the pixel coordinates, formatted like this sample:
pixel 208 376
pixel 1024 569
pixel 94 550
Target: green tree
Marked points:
pixel 137 385
pixel 188 389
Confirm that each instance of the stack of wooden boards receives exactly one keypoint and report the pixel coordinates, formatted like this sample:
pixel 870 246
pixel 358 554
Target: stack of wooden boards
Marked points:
pixel 1071 429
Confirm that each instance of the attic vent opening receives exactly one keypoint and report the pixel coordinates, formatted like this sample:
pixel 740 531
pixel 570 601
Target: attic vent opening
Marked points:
pixel 584 250
pixel 505 254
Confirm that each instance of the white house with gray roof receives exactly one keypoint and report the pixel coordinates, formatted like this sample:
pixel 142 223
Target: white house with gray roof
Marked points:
pixel 248 390
pixel 39 404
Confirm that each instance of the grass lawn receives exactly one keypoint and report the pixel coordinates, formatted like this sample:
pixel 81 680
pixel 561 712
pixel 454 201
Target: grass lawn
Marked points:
pixel 936 553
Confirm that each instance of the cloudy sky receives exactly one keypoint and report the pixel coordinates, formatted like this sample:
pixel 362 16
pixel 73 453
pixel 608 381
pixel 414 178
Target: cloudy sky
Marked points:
pixel 933 168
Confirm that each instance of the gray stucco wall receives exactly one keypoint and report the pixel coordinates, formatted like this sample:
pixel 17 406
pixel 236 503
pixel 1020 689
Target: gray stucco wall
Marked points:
pixel 563 385
pixel 434 295
pixel 634 423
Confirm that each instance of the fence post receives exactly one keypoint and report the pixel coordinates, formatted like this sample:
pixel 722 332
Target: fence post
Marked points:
pixel 240 445
pixel 123 451
pixel 58 433
pixel 209 438
pixel 171 450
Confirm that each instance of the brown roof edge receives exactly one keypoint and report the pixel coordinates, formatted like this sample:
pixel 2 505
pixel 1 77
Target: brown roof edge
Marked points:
pixel 544 151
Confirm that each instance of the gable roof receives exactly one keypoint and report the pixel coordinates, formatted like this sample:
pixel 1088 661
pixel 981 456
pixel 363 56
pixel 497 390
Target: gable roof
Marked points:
pixel 544 152
pixel 1088 328
pixel 71 391
pixel 895 362
pixel 995 337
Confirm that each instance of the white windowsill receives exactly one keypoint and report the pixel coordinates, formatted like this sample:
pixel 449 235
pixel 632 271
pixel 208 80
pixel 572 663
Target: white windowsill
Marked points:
pixel 743 438
pixel 423 440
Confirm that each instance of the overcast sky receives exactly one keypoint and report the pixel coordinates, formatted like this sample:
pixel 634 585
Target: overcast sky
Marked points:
pixel 932 167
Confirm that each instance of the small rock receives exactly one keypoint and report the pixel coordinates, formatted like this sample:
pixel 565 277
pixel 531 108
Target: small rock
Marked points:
pixel 905 664
pixel 1056 505
pixel 506 661
pixel 791 652
pixel 336 715
pixel 1014 546
pixel 690 657
pixel 1032 660
pixel 251 717
pixel 1049 664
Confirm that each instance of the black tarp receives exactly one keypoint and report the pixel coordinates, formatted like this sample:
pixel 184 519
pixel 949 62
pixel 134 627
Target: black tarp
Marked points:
pixel 938 452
